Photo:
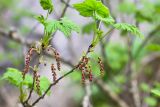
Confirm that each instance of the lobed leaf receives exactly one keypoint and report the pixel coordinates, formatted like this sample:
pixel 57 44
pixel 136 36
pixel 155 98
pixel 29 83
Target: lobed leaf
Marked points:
pixel 89 8
pixel 14 76
pixel 64 25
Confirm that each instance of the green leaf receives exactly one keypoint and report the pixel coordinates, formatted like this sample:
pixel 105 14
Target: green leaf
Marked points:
pixel 67 26
pixel 14 76
pixel 156 92
pixel 129 28
pixel 64 25
pixel 51 26
pixel 47 5
pixel 88 8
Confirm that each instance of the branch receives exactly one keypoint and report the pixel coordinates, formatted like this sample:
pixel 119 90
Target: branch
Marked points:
pixel 30 93
pixel 66 3
pixel 113 95
pixel 65 8
pixel 14 36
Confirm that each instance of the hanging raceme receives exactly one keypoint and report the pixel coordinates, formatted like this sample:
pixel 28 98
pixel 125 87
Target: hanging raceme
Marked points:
pixel 27 61
pixel 101 66
pixel 53 69
pixel 37 79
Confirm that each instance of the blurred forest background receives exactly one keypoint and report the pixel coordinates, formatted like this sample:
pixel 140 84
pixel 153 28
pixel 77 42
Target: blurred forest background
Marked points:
pixel 132 65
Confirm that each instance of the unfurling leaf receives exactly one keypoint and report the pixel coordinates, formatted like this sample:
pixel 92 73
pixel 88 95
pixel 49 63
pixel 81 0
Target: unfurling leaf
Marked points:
pixel 47 5
pixel 89 8
pixel 40 18
pixel 129 28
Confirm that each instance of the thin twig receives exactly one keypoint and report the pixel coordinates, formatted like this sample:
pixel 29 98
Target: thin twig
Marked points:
pixel 30 93
pixel 13 35
pixel 66 3
pixel 65 8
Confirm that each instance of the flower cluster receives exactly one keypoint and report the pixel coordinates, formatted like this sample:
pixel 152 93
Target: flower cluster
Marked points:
pixel 85 69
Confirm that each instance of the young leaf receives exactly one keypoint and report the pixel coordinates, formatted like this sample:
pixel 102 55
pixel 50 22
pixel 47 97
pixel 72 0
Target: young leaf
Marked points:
pixel 40 18
pixel 129 28
pixel 14 76
pixel 51 26
pixel 64 25
pixel 47 5
pixel 88 8
pixel 67 26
